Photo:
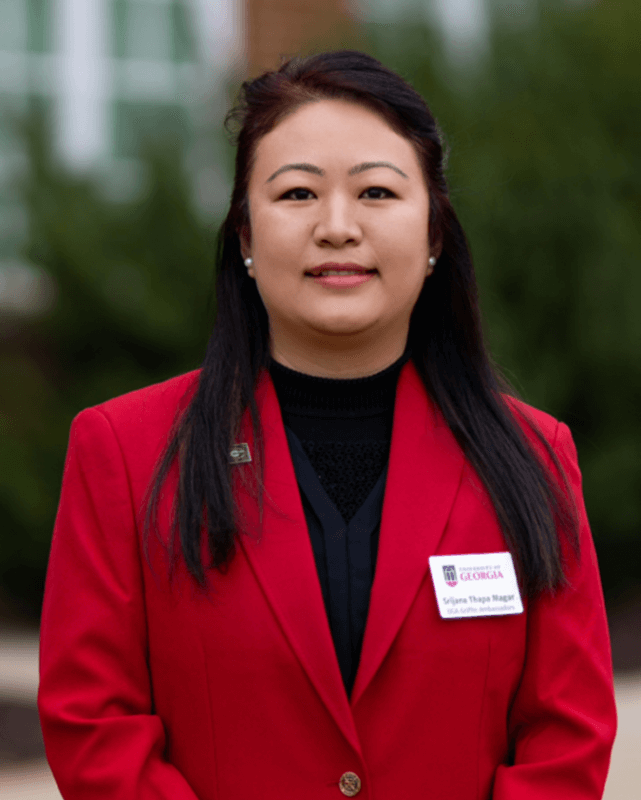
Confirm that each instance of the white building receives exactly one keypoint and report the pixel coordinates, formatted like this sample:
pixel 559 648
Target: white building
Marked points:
pixel 107 73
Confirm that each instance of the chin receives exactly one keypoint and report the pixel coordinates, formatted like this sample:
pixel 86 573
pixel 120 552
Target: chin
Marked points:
pixel 343 326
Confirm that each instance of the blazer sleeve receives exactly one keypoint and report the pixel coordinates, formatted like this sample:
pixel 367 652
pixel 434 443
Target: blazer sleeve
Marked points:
pixel 103 740
pixel 563 718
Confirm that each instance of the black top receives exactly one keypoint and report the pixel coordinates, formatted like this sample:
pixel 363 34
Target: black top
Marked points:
pixel 339 433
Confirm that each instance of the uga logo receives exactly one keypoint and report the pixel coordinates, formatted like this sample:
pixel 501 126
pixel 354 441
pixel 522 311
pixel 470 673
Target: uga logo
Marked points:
pixel 450 575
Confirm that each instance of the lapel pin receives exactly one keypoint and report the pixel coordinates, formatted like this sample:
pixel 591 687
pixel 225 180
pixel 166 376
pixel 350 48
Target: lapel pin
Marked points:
pixel 239 454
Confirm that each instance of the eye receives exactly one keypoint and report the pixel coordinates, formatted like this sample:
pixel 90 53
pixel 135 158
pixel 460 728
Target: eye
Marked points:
pixel 377 193
pixel 297 194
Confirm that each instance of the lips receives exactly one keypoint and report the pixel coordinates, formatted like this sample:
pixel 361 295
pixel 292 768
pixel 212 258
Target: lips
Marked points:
pixel 340 277
pixel 333 269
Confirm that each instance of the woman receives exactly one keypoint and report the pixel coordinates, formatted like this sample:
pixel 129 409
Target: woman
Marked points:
pixel 263 621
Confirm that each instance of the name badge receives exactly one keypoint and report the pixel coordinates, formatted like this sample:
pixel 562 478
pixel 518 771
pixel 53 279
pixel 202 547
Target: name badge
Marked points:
pixel 475 585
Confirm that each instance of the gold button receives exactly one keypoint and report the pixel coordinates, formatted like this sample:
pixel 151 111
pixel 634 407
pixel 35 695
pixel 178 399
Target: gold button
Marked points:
pixel 349 784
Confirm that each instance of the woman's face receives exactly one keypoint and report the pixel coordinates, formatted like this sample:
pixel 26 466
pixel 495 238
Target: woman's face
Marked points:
pixel 338 232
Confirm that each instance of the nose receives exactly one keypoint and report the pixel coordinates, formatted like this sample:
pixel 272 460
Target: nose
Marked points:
pixel 337 224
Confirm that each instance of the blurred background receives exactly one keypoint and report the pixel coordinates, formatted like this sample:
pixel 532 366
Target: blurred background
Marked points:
pixel 115 172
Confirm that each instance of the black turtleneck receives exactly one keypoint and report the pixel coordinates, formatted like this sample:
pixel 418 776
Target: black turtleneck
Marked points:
pixel 339 433
pixel 344 426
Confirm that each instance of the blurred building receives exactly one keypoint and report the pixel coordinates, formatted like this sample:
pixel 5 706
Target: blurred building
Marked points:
pixel 277 28
pixel 106 74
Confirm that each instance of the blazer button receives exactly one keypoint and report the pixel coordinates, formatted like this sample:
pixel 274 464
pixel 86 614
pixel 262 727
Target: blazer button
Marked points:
pixel 349 784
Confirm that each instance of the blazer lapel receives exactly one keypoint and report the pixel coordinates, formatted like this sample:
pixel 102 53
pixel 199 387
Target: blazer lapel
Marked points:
pixel 425 470
pixel 279 551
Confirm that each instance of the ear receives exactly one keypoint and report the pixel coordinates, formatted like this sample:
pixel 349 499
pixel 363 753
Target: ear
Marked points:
pixel 245 241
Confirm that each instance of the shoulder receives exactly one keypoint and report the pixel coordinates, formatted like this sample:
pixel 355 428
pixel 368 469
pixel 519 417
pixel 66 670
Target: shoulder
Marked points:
pixel 159 402
pixel 534 422
pixel 538 426
pixel 139 421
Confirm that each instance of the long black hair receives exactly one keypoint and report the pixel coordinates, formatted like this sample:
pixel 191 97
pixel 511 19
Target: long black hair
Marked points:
pixel 445 338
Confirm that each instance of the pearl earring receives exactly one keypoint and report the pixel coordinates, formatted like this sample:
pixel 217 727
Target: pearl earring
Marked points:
pixel 249 263
pixel 432 261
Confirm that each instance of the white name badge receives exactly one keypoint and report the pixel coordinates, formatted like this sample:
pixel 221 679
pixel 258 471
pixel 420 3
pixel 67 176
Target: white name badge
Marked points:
pixel 475 585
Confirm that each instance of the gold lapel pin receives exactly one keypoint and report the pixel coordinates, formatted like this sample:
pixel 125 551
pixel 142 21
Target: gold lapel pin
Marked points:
pixel 239 454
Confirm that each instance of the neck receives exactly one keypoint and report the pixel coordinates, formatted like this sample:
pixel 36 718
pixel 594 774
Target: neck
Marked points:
pixel 335 358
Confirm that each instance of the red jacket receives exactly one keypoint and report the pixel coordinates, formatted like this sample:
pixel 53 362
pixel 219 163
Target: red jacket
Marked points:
pixel 156 689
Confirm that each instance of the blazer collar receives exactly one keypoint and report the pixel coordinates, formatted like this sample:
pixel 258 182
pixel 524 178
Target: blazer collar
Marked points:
pixel 423 478
pixel 424 473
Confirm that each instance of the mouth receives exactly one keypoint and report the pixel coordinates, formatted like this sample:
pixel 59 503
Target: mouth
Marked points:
pixel 334 270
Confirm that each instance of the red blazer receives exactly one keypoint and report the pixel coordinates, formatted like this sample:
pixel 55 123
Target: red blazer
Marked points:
pixel 152 689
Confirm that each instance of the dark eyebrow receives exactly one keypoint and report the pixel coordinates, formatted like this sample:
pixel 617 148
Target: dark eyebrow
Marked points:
pixel 303 167
pixel 372 165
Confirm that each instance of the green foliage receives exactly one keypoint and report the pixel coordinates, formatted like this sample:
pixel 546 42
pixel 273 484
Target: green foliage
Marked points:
pixel 133 283
pixel 545 175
